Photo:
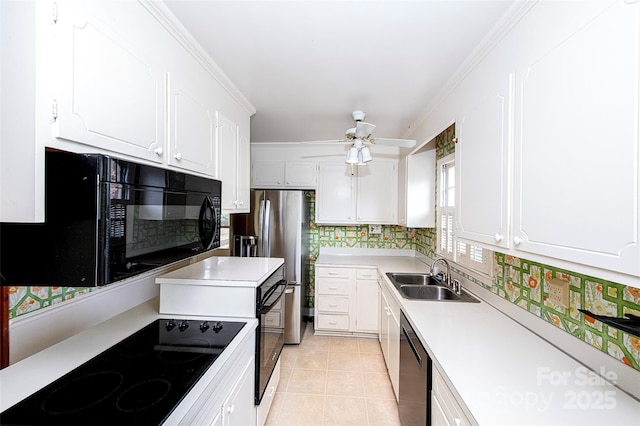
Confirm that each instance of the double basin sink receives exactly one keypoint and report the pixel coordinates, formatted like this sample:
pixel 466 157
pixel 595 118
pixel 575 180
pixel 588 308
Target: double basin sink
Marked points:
pixel 427 287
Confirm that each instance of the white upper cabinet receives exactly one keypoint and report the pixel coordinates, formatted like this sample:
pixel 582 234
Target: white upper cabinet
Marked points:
pixel 576 189
pixel 357 194
pixel 192 120
pixel 416 190
pixel 482 166
pixel 111 93
pixel 284 174
pixel 234 165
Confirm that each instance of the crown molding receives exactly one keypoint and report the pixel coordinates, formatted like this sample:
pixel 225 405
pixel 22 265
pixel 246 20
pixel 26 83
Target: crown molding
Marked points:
pixel 167 19
pixel 513 15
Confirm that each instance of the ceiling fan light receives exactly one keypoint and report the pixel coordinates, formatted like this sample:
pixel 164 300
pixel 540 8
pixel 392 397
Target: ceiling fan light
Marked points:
pixel 352 156
pixel 364 129
pixel 365 155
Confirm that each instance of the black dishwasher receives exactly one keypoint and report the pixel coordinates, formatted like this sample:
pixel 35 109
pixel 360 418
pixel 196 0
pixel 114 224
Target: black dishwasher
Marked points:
pixel 414 403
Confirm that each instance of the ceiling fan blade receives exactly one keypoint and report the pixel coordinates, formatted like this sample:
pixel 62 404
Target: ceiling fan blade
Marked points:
pixel 364 129
pixel 327 142
pixel 405 143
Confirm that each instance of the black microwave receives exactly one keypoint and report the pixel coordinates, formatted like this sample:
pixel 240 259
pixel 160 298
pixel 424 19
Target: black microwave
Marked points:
pixel 108 219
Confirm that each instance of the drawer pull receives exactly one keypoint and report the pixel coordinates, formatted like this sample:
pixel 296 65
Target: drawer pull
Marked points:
pixel 333 305
pixel 333 288
pixel 333 273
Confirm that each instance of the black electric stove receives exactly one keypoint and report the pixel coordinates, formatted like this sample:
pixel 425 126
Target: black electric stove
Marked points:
pixel 140 380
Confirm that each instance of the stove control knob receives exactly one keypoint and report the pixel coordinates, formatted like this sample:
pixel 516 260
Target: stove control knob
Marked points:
pixel 183 325
pixel 217 327
pixel 204 326
pixel 170 325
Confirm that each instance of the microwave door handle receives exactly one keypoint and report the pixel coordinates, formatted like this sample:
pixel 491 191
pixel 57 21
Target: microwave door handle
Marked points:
pixel 266 243
pixel 207 206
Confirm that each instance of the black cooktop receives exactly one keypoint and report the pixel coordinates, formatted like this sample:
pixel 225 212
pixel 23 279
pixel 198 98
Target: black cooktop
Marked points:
pixel 138 381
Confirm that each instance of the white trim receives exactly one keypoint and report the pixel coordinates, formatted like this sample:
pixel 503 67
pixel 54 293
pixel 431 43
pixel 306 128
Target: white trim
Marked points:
pixel 168 20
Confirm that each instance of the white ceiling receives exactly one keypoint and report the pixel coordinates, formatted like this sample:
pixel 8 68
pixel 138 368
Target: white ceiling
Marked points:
pixel 306 65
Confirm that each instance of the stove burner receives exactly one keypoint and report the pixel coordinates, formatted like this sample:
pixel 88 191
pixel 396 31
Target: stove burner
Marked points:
pixel 83 392
pixel 139 380
pixel 143 395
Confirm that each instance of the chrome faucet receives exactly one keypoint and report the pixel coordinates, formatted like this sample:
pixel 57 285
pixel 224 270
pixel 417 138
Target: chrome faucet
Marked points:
pixel 445 276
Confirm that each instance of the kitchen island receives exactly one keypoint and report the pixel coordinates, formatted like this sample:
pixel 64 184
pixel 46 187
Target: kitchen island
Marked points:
pixel 499 372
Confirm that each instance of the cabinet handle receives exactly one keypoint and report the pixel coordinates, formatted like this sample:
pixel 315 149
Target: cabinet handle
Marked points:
pixel 498 237
pixel 271 391
pixel 231 408
pixel 517 240
pixel 158 152
pixel 333 305
pixel 458 422
pixel 333 273
pixel 333 323
pixel 178 156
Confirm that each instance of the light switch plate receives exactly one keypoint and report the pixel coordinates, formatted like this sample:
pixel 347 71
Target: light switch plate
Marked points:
pixel 559 291
pixel 375 229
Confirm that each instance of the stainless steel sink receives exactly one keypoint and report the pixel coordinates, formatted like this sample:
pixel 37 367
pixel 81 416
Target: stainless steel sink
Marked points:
pixel 426 287
pixel 413 279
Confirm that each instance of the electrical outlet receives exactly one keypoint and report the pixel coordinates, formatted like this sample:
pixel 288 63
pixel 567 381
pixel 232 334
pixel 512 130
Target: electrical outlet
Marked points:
pixel 559 292
pixel 375 229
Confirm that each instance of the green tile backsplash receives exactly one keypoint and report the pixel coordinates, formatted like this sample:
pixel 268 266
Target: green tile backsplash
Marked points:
pixel 519 281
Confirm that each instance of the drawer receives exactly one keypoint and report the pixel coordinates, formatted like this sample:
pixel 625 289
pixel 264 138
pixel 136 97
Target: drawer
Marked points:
pixel 333 304
pixel 333 322
pixel 367 274
pixel 333 287
pixel 334 272
pixel 272 319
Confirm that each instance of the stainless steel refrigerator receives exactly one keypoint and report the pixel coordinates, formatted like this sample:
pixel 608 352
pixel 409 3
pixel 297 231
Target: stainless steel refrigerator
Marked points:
pixel 278 226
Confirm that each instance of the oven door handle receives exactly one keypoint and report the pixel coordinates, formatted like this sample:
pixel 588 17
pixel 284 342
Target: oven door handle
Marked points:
pixel 263 309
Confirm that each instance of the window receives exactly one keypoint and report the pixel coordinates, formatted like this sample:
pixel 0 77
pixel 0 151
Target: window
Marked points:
pixel 469 255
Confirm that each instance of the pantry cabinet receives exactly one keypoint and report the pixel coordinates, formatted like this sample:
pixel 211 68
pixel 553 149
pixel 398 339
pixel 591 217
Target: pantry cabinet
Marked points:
pixel 350 194
pixel 546 123
pixel 346 301
pixel 284 174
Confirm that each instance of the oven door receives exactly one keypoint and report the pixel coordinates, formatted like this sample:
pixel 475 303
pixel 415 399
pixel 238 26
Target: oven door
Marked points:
pixel 270 336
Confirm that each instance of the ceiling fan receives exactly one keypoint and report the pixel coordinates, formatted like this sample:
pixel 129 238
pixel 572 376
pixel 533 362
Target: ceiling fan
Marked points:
pixel 362 134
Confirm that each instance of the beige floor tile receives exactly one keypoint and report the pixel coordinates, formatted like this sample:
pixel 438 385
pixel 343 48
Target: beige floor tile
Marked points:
pixel 315 343
pixel 288 358
pixel 373 362
pixel 274 411
pixel 369 346
pixel 345 361
pixel 307 381
pixel 285 375
pixel 314 360
pixel 340 410
pixel 345 383
pixel 383 412
pixel 301 410
pixel 377 385
pixel 344 344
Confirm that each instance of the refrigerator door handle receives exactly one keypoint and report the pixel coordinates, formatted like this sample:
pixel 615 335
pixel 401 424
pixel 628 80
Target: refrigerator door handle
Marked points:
pixel 261 228
pixel 266 224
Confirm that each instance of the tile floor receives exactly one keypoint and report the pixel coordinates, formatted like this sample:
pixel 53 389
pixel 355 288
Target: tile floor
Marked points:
pixel 330 380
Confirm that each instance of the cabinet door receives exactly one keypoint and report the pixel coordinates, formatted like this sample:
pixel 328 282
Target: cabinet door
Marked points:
pixel 482 166
pixel 335 197
pixel 421 189
pixel 384 314
pixel 394 352
pixel 243 170
pixel 111 95
pixel 192 120
pixel 267 174
pixel 229 155
pixel 367 311
pixel 576 146
pixel 239 409
pixel 301 174
pixel 377 199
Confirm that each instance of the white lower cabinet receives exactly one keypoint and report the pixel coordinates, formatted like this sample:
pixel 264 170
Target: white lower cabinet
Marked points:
pixel 445 408
pixel 390 334
pixel 238 408
pixel 346 300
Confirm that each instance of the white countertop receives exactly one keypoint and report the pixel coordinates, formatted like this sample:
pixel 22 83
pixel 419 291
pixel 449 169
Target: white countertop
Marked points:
pixel 505 374
pixel 25 377
pixel 224 271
